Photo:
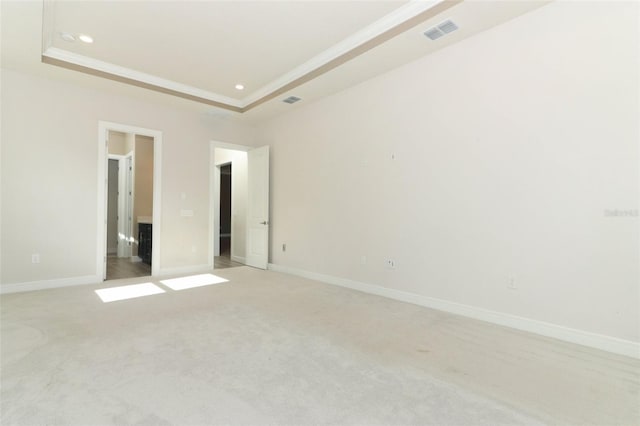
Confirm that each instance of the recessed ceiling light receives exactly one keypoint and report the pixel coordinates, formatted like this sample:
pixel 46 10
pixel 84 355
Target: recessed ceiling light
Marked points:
pixel 85 38
pixel 239 87
pixel 67 37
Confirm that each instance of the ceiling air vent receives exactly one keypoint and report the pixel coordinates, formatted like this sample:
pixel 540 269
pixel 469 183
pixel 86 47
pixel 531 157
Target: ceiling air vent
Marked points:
pixel 441 29
pixel 448 26
pixel 291 100
pixel 433 33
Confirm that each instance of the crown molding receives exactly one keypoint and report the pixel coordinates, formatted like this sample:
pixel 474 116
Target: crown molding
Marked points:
pixel 57 55
pixel 377 28
pixel 402 19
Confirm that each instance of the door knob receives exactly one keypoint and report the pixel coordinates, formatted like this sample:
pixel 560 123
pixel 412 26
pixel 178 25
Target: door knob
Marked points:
pixel 264 223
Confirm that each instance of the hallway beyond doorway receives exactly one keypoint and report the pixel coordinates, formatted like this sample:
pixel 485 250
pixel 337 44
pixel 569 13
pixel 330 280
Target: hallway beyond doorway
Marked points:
pixel 120 267
pixel 224 260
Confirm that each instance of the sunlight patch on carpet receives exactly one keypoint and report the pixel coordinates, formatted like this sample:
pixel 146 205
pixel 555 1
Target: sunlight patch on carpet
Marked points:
pixel 128 292
pixel 184 283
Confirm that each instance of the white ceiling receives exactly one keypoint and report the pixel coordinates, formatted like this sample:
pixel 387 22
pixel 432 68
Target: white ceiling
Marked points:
pixel 213 45
pixel 204 49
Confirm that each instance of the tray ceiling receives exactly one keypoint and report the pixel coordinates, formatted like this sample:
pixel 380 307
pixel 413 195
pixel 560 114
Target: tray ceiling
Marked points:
pixel 201 50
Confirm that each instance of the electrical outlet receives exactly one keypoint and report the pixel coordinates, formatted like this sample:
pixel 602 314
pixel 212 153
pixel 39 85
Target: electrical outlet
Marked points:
pixel 35 258
pixel 512 284
pixel 284 247
pixel 390 264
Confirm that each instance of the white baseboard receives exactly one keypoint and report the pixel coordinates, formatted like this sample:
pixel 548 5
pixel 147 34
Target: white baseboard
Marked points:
pixel 135 259
pixel 49 284
pixel 195 269
pixel 585 338
pixel 239 259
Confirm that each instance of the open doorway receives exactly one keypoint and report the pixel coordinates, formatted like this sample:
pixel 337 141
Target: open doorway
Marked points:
pixel 230 195
pixel 129 169
pixel 249 204
pixel 129 205
pixel 225 210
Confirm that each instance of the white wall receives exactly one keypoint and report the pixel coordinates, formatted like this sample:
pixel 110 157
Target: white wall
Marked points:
pixel 129 144
pixel 51 210
pixel 118 143
pixel 508 146
pixel 238 160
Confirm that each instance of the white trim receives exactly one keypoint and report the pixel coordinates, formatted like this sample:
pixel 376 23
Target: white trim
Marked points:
pixel 195 269
pixel 102 174
pixel 387 22
pixel 48 24
pixel 393 19
pixel 238 259
pixel 216 209
pixel 85 61
pixel 572 335
pixel 116 156
pixel 214 195
pixel 103 129
pixel 49 284
pixel 230 146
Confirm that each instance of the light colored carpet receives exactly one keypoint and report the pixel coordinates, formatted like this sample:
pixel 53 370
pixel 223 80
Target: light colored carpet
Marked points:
pixel 269 348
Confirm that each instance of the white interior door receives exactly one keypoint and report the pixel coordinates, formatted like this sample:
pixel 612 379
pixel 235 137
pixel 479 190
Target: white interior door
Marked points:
pixel 258 207
pixel 125 224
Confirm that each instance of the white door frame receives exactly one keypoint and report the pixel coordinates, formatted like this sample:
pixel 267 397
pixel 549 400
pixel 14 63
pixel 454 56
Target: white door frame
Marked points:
pixel 214 197
pixel 103 158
